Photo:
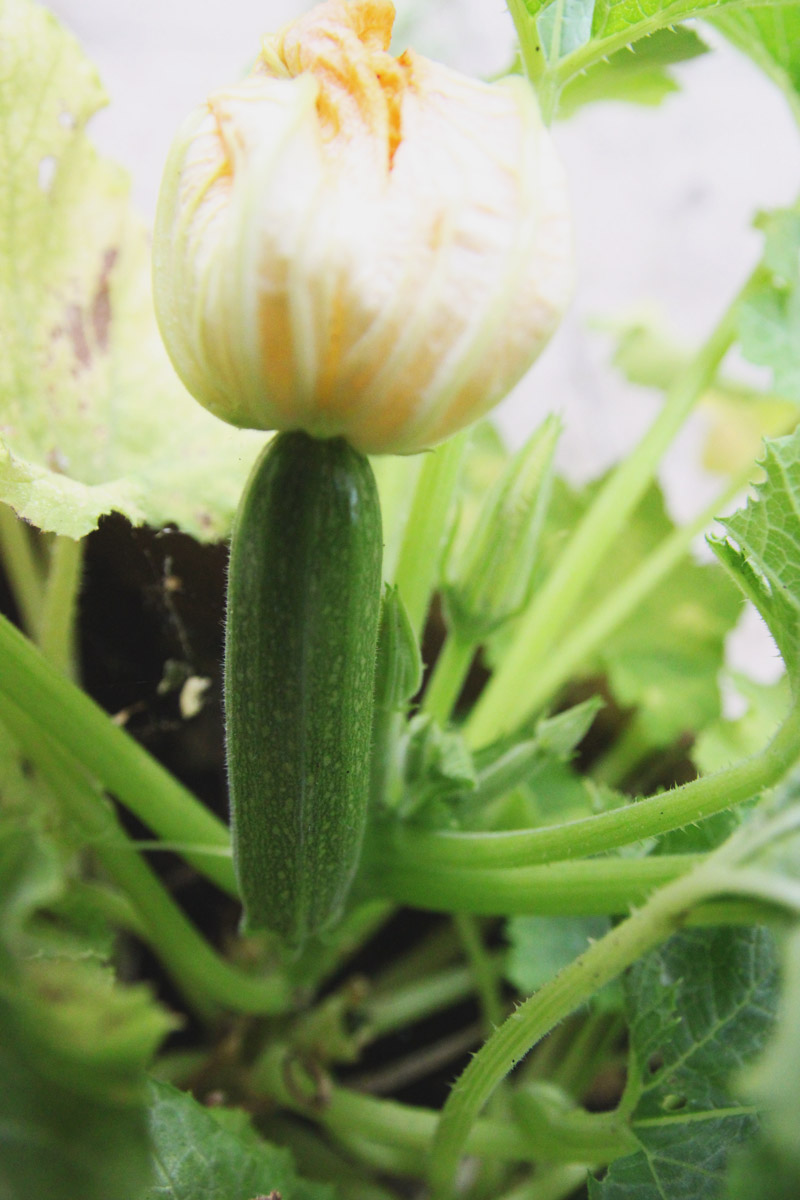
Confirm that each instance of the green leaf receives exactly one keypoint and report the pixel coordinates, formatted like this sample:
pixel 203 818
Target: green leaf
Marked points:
pixel 73 1048
pixel 772 1080
pixel 739 416
pixel 761 549
pixel 637 74
pixel 437 768
pixel 93 418
pixel 726 742
pixel 700 1007
pixel 198 1156
pixel 771 36
pixel 769 320
pixel 666 658
pixel 564 26
pixel 540 946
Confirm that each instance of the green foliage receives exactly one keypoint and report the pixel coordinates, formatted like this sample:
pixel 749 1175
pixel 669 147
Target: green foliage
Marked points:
pixel 487 577
pixel 638 74
pixel 196 1154
pixel 564 26
pixel 700 1007
pixel 73 1049
pixel 762 548
pixel 93 418
pixel 540 946
pixel 725 742
pixel 770 34
pixel 770 315
pixel 665 659
pixel 770 1167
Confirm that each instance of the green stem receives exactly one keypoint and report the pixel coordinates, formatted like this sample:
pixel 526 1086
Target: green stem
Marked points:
pixel 207 980
pixel 484 967
pixel 22 567
pixel 411 1129
pixel 621 759
pixel 530 49
pixel 447 679
pixel 429 995
pixel 592 887
pixel 418 562
pixel 80 728
pixel 605 960
pixel 607 616
pixel 504 703
pixel 656 814
pixel 436 949
pixel 585 1054
pixel 56 632
pixel 552 1183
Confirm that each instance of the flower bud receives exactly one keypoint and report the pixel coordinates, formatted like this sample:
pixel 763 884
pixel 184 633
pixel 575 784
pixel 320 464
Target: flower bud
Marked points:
pixel 489 576
pixel 359 245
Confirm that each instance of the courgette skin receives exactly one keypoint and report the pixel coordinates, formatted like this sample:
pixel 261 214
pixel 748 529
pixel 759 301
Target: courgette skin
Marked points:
pixel 304 594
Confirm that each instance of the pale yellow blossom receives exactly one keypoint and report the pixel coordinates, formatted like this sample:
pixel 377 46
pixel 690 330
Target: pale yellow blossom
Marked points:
pixel 355 244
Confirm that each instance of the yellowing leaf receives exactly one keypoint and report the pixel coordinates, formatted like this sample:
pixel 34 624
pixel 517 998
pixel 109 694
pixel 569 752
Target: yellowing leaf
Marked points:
pixel 92 416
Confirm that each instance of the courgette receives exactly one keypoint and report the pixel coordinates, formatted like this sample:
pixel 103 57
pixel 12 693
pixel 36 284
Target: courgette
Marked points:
pixel 303 606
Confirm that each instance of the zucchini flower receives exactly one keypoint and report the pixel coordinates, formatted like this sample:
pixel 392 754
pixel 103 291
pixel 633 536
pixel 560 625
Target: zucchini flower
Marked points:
pixel 359 245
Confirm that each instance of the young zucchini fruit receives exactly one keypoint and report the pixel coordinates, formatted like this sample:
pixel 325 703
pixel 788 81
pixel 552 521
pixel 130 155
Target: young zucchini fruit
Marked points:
pixel 304 595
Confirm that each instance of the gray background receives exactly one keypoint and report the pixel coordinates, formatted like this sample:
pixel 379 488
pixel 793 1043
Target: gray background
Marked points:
pixel 663 199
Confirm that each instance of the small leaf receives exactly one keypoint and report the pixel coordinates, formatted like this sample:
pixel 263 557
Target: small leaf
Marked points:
pixel 762 548
pixel 769 321
pixel 197 1156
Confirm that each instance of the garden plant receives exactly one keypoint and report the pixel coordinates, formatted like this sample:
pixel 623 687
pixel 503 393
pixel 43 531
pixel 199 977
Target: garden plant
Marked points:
pixel 371 823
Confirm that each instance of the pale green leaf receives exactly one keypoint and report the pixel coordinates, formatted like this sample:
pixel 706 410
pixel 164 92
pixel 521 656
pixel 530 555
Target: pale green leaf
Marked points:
pixel 92 416
pixel 564 26
pixel 638 74
pixel 700 1007
pixel 762 548
pixel 540 946
pixel 620 23
pixel 770 34
pixel 198 1156
pixel 739 416
pixel 769 321
pixel 726 742
pixel 666 657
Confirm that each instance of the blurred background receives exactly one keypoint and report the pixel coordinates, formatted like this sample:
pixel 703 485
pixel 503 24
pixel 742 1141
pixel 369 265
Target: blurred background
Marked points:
pixel 663 198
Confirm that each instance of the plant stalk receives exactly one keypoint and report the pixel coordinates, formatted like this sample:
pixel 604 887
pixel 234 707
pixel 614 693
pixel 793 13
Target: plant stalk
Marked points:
pixel 504 703
pixel 82 730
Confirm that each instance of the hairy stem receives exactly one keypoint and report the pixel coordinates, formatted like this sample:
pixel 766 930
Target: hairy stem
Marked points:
pixel 411 1129
pixel 421 850
pixel 661 916
pixel 594 886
